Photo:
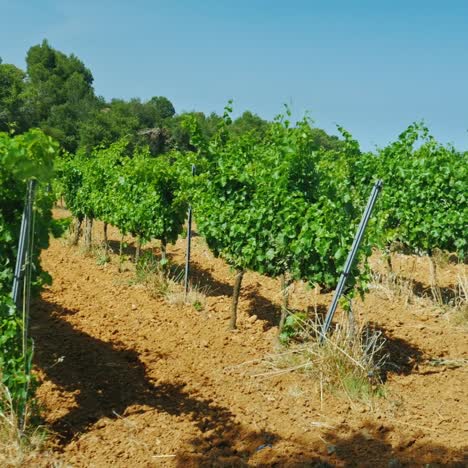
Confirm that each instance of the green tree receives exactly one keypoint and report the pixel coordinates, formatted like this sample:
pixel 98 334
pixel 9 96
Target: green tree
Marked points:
pixel 107 124
pixel 249 122
pixel 321 139
pixel 160 109
pixel 59 93
pixel 12 102
pixel 141 123
pixel 154 117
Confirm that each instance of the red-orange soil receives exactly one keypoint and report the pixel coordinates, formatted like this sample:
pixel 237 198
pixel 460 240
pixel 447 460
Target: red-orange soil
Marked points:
pixel 128 380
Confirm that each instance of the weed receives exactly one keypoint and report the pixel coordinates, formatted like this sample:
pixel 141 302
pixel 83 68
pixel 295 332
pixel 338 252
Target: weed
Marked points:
pixel 147 265
pixel 20 444
pixel 196 295
pixel 149 272
pixel 101 252
pixel 293 328
pixel 459 315
pixel 451 301
pixel 163 280
pixel 349 362
pixel 441 258
pixel 392 286
pixel 296 391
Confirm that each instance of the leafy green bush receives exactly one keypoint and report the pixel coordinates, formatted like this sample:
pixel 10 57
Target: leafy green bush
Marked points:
pixel 140 195
pixel 22 157
pixel 423 206
pixel 276 205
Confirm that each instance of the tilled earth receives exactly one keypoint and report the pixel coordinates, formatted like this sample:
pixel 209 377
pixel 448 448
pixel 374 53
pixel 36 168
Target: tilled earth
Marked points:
pixel 130 380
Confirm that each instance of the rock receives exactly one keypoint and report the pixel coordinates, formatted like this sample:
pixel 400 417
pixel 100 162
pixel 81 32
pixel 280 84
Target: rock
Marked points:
pixel 331 449
pixel 394 463
pixel 101 424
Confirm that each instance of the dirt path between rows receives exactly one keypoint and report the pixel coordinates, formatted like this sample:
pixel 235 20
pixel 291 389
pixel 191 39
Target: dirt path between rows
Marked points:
pixel 129 380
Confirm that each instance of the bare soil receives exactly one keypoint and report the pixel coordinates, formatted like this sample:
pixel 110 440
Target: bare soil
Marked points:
pixel 129 380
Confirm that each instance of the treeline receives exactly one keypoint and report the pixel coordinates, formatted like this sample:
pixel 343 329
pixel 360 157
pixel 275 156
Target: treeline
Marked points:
pixel 55 93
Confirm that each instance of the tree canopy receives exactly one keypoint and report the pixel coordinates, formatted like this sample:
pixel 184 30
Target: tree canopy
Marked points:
pixel 55 93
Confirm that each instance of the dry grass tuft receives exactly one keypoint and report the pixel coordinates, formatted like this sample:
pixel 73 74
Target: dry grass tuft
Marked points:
pixel 19 445
pixel 451 301
pixel 102 253
pixel 392 286
pixel 168 283
pixel 349 362
pixel 196 295
pixel 149 272
pixel 459 315
pixel 426 282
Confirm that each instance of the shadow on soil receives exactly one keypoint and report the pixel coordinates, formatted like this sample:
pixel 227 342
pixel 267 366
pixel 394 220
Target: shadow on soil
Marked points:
pixel 369 446
pixel 448 294
pixel 106 379
pixel 262 307
pixel 402 355
pixel 259 305
pixel 203 279
pixel 129 249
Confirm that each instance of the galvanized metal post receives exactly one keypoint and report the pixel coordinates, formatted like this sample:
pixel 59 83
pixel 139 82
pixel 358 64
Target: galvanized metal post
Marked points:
pixel 189 243
pixel 23 243
pixel 22 282
pixel 351 257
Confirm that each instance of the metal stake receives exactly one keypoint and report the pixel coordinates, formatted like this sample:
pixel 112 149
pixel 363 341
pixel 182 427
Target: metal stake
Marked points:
pixel 189 242
pixel 22 280
pixel 351 257
pixel 24 237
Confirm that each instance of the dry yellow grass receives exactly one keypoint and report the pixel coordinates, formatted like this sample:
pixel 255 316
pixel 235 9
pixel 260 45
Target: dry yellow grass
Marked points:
pixel 20 444
pixel 348 363
pixel 168 283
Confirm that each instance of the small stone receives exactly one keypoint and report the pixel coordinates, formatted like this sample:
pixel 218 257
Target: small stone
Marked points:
pixel 101 424
pixel 394 463
pixel 331 449
pixel 134 307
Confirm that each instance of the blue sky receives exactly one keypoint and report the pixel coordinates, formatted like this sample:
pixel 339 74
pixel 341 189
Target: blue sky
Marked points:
pixel 372 66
